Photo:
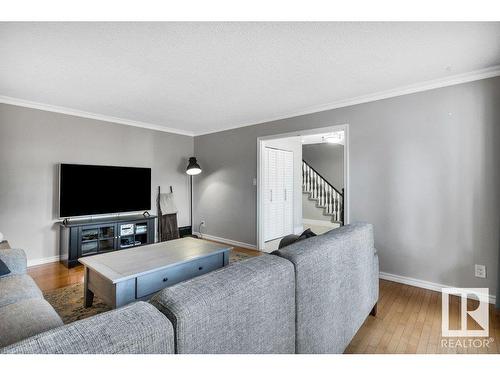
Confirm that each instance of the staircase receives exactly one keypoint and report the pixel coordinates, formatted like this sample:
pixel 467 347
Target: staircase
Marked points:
pixel 323 193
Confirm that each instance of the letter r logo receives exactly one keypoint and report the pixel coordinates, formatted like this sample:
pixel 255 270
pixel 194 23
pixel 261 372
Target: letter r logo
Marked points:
pixel 480 315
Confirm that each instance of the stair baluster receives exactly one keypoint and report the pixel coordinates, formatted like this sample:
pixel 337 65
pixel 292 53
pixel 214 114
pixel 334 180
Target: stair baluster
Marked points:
pixel 321 193
pixel 326 196
pixel 328 200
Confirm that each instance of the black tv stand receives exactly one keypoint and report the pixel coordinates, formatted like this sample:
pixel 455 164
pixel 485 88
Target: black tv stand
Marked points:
pixel 80 238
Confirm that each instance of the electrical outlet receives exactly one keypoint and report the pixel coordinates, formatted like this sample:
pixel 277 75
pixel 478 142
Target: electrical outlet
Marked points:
pixel 480 271
pixel 202 223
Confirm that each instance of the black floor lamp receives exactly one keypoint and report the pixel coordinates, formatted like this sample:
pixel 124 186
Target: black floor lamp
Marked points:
pixel 192 169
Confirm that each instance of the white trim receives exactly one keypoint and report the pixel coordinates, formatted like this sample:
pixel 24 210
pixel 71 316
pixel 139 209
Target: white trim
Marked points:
pixel 324 223
pixel 260 200
pixel 260 177
pixel 39 261
pixel 347 173
pixel 225 240
pixel 457 79
pixel 423 284
pixel 94 116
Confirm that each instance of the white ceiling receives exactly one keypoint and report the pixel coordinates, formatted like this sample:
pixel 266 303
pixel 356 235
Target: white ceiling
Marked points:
pixel 204 77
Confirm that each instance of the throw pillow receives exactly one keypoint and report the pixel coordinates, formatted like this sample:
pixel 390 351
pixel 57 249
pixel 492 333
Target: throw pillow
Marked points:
pixel 291 238
pixel 288 240
pixel 308 233
pixel 4 270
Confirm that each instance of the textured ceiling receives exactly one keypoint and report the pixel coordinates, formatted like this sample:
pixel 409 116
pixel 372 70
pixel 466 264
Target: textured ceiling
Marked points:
pixel 202 77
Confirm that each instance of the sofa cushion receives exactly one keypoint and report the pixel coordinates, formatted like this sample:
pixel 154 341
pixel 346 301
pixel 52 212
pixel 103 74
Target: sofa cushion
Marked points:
pixel 4 270
pixel 26 318
pixel 17 287
pixel 246 307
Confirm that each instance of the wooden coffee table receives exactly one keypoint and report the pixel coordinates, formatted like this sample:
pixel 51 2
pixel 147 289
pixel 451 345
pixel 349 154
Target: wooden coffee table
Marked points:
pixel 125 276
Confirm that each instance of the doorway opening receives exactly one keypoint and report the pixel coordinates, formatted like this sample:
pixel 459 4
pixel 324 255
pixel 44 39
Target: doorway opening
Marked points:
pixel 303 182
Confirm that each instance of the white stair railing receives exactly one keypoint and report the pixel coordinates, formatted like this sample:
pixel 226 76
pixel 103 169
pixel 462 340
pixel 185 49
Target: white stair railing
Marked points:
pixel 325 194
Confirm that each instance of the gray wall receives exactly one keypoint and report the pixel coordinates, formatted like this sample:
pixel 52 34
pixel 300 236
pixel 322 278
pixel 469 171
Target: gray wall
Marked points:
pixel 424 169
pixel 328 160
pixel 32 142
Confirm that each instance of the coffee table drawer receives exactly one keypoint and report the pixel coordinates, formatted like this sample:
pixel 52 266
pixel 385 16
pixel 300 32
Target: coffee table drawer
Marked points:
pixel 155 281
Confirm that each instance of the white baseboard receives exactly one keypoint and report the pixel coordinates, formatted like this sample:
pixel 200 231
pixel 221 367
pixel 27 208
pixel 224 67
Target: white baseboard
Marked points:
pixel 226 240
pixel 422 283
pixel 39 261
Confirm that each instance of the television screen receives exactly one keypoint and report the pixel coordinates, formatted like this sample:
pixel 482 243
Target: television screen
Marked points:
pixel 95 189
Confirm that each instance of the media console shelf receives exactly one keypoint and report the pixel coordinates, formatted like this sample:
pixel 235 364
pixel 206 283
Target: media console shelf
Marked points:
pixel 81 238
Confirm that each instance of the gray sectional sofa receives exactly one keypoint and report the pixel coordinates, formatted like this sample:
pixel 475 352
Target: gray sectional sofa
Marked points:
pixel 311 297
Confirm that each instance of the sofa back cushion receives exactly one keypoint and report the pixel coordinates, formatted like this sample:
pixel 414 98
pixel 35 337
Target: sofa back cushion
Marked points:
pixel 336 286
pixel 246 307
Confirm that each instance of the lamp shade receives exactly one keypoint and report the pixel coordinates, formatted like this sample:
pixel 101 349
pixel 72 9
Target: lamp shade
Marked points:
pixel 193 167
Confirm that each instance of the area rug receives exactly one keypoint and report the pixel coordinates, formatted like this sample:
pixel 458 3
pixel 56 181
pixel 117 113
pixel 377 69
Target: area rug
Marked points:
pixel 68 301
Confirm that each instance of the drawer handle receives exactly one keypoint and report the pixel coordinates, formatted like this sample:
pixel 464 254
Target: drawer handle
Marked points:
pixel 200 268
pixel 165 279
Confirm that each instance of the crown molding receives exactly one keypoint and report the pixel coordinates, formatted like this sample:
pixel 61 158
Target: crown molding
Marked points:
pixel 457 79
pixel 90 115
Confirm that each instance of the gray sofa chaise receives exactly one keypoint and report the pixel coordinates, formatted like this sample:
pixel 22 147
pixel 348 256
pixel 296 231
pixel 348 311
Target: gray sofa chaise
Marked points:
pixel 311 297
pixel 31 325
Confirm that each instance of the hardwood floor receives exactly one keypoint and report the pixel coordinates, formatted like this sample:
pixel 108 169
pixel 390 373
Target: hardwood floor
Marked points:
pixel 408 321
pixel 55 275
pixel 408 318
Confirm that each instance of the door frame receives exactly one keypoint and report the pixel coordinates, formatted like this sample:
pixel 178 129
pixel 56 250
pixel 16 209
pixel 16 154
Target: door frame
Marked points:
pixel 260 172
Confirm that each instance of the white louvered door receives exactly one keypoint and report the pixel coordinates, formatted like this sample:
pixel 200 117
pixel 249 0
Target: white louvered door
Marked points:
pixel 278 193
pixel 288 192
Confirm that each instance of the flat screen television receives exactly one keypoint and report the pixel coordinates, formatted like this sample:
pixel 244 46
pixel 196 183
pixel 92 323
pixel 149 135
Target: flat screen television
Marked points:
pixel 86 190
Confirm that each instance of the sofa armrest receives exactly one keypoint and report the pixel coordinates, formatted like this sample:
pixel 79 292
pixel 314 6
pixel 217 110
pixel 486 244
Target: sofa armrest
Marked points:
pixel 15 259
pixel 137 328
